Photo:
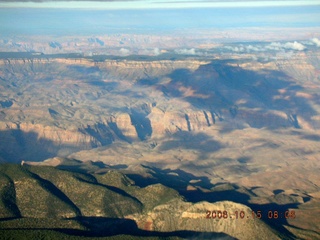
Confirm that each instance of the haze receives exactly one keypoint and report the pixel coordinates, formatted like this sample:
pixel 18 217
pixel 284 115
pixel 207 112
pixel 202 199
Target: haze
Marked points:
pixel 130 119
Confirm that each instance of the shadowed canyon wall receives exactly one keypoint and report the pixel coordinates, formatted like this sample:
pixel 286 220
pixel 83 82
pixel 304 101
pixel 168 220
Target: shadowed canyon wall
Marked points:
pixel 69 104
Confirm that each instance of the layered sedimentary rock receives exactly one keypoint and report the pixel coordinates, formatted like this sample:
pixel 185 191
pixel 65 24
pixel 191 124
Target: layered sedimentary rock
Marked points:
pixel 79 103
pixel 125 128
pixel 27 141
pixel 163 122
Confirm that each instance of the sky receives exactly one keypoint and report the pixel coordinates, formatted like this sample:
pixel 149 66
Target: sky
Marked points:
pixel 151 4
pixel 152 16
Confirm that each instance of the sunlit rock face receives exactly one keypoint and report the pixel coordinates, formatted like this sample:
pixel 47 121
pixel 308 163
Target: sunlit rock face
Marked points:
pixel 68 104
pixel 179 215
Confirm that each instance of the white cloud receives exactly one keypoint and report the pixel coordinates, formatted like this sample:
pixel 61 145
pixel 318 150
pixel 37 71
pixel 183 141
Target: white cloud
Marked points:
pixel 235 49
pixel 185 51
pixel 124 51
pixel 253 48
pixel 294 46
pixel 274 46
pixel 316 41
pixel 156 51
pixel 242 48
pixel 288 45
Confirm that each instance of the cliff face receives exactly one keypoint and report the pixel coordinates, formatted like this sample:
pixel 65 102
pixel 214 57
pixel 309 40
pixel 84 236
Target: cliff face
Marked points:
pixel 124 126
pixel 63 110
pixel 120 69
pixel 76 103
pixel 35 141
pixel 171 122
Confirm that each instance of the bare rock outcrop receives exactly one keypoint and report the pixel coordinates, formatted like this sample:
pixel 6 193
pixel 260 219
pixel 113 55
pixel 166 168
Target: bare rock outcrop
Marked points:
pixel 163 122
pixel 199 217
pixel 124 125
pixel 51 133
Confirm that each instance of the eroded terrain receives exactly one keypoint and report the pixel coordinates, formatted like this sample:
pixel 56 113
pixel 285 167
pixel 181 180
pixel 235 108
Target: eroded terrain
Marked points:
pixel 238 127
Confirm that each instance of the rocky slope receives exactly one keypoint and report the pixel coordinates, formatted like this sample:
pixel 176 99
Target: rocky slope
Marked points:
pixel 185 216
pixel 243 126
pixel 99 204
pixel 74 103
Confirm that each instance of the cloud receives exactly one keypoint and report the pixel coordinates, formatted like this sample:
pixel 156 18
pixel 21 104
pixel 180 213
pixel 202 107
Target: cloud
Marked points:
pixel 124 51
pixel 254 48
pixel 288 45
pixel 235 49
pixel 316 41
pixel 151 51
pixel 294 46
pixel 185 51
pixel 274 46
pixel 156 51
pixel 242 48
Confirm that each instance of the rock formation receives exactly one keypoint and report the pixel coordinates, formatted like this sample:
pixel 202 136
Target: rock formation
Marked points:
pixel 74 103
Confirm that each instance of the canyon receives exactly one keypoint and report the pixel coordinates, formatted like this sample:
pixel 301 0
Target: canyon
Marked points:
pixel 92 103
pixel 242 128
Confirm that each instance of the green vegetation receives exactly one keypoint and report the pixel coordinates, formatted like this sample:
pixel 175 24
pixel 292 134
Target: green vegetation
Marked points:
pixel 39 234
pixel 41 202
pixel 8 207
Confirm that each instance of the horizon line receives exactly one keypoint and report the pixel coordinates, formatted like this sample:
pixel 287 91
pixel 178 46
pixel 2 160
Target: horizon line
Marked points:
pixel 153 4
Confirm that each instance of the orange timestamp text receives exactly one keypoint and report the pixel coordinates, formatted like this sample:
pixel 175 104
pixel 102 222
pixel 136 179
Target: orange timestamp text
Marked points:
pixel 272 214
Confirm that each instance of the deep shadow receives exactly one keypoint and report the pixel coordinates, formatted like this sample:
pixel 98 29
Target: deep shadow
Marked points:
pixel 113 126
pixel 86 167
pixel 269 217
pixel 219 86
pixel 99 164
pixel 277 191
pixel 83 69
pixel 51 188
pixel 17 145
pixel 118 166
pixel 100 227
pixel 230 192
pixel 180 180
pixel 224 195
pixel 176 178
pixel 78 166
pixel 107 227
pixel 141 123
pixel 6 104
pixel 100 132
pixel 90 179
pixel 53 113
pixel 201 142
pixel 96 40
pixel 243 159
pixel 8 196
pixel 103 85
pixel 312 137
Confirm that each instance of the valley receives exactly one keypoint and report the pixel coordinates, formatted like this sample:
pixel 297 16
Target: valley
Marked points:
pixel 223 128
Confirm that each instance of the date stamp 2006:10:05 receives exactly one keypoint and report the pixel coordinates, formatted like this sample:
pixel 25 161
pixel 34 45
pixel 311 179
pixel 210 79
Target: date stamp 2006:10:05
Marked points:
pixel 217 214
